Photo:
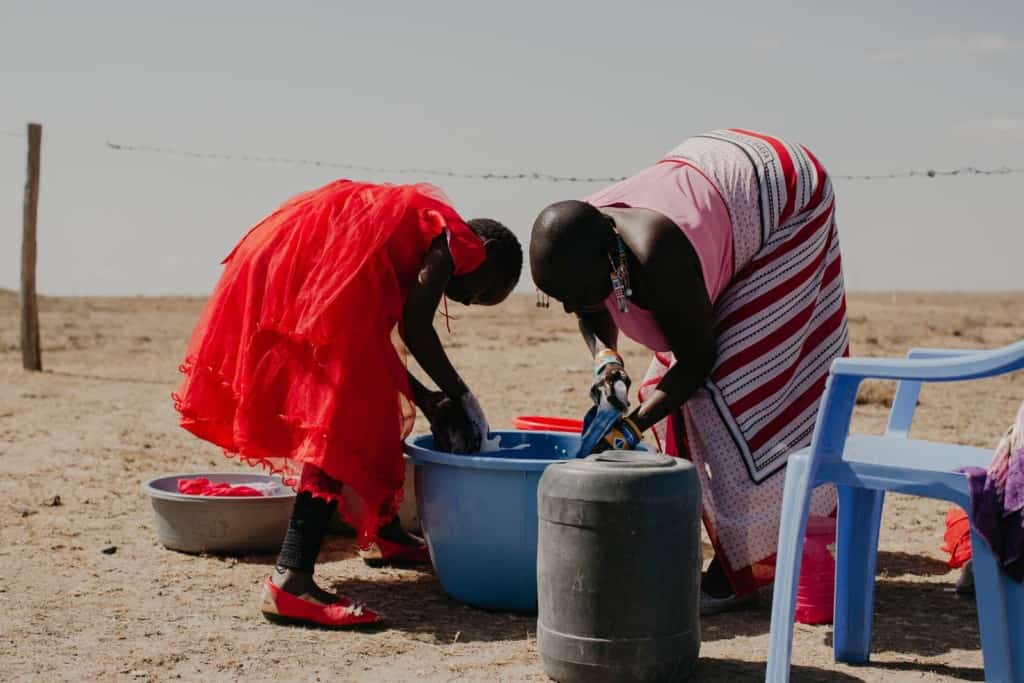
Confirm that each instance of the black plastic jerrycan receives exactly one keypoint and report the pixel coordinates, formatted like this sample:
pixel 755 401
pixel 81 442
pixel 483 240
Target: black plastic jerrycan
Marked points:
pixel 618 568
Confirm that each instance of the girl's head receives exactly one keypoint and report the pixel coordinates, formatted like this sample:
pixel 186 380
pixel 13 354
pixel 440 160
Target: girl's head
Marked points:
pixel 497 276
pixel 569 252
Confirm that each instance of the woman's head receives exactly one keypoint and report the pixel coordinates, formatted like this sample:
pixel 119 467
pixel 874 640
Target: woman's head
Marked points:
pixel 497 276
pixel 569 254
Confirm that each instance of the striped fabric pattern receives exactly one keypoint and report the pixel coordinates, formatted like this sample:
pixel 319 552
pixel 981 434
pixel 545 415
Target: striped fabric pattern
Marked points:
pixel 782 320
pixel 779 325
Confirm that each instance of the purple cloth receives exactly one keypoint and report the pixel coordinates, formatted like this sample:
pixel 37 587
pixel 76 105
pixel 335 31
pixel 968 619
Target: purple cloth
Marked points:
pixel 997 501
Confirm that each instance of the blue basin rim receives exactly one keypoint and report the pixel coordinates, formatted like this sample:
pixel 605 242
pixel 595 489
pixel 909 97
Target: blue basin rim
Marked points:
pixel 419 454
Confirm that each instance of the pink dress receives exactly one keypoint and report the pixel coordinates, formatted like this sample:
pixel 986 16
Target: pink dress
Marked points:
pixel 682 193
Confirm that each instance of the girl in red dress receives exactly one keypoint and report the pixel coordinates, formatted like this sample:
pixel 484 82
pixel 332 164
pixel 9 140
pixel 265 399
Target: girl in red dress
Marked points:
pixel 292 366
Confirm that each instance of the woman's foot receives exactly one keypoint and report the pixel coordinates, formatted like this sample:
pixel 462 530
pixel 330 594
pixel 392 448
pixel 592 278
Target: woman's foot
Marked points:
pixel 395 545
pixel 716 594
pixel 293 597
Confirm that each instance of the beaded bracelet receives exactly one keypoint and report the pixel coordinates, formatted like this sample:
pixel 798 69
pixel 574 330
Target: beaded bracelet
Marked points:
pixel 604 358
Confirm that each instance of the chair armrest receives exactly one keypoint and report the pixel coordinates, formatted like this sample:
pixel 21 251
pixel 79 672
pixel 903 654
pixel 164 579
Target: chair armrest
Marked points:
pixel 962 366
pixel 926 352
pixel 836 409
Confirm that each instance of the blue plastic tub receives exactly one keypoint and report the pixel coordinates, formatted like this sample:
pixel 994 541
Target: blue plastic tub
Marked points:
pixel 479 515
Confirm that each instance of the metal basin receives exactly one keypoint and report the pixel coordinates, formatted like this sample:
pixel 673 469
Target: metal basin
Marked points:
pixel 221 525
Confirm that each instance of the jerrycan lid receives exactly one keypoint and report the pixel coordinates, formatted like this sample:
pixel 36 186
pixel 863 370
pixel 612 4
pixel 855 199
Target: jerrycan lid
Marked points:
pixel 630 459
pixel 614 468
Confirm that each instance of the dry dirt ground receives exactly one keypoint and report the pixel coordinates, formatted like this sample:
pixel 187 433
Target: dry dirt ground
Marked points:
pixel 99 421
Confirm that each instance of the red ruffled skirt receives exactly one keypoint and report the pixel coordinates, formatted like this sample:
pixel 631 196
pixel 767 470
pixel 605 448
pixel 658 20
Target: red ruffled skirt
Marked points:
pixel 292 366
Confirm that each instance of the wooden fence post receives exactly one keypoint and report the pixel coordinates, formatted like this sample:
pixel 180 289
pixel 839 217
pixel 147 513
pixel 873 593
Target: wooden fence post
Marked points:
pixel 31 355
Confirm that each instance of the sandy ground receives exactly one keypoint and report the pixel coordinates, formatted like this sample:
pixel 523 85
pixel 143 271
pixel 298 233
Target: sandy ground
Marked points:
pixel 99 421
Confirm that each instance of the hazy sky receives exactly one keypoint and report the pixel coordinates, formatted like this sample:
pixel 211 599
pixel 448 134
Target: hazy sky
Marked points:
pixel 562 87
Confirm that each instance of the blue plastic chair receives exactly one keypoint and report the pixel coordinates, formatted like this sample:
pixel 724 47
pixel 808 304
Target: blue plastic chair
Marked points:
pixel 863 468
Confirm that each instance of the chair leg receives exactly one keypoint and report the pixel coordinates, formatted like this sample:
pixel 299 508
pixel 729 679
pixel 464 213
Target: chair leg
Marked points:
pixel 860 516
pixel 991 594
pixel 1013 593
pixel 796 501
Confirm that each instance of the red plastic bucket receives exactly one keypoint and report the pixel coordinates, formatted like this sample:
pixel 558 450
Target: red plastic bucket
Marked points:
pixel 540 423
pixel 815 594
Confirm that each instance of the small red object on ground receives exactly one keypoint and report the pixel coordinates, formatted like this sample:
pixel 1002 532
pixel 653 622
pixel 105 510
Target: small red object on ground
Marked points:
pixel 957 541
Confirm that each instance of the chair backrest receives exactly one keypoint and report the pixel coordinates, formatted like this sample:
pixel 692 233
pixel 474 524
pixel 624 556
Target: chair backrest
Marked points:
pixel 925 365
pixel 904 403
pixel 1009 358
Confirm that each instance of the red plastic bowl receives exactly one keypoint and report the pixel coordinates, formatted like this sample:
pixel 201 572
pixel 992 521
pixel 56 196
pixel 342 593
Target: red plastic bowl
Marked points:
pixel 548 424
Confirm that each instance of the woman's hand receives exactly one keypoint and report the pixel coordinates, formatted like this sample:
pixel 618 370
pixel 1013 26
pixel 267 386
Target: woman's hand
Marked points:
pixel 610 378
pixel 611 381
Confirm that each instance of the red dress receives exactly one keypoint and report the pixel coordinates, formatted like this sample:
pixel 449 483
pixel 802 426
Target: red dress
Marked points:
pixel 292 366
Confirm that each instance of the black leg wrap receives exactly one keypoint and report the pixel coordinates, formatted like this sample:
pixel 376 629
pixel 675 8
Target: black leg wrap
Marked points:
pixel 306 531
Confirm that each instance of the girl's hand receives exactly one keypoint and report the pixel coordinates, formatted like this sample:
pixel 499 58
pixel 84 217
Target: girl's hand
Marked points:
pixel 430 402
pixel 478 421
pixel 458 426
pixel 452 430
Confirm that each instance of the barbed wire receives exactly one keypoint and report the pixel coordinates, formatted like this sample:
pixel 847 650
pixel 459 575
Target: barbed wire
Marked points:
pixel 932 173
pixel 498 175
pixel 511 175
pixel 489 175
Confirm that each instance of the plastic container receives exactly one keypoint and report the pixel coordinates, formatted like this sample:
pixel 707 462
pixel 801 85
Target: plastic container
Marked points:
pixel 815 596
pixel 548 424
pixel 479 515
pixel 213 524
pixel 544 423
pixel 618 569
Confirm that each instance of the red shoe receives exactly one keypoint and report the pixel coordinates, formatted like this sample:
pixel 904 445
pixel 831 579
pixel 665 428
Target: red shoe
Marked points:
pixel 279 606
pixel 382 551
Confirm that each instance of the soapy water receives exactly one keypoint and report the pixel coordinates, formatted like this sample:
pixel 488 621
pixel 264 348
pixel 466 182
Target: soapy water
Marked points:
pixel 523 446
pixel 492 444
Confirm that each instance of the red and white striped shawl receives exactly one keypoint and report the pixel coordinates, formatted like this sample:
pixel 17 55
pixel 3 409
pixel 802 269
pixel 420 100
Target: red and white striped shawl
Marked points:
pixel 779 325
